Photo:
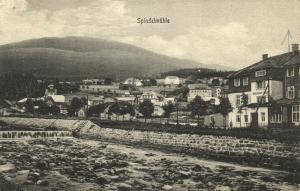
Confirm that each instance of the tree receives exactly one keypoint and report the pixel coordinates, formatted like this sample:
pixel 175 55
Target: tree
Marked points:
pixel 198 107
pixel 114 108
pixel 100 108
pixel 146 108
pixel 75 106
pixel 244 103
pixel 224 108
pixel 54 110
pixel 91 111
pixel 215 82
pixel 84 101
pixel 15 86
pixel 29 106
pixel 245 99
pixel 153 82
pixel 169 108
pixel 126 108
pixel 180 93
pixel 211 107
pixel 95 110
pixel 43 108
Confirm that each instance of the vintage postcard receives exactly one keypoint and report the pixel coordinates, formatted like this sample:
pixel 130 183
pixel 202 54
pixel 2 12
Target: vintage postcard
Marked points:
pixel 149 95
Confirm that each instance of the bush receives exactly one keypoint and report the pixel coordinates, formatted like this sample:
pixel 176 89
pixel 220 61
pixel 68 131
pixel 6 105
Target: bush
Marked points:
pixel 2 123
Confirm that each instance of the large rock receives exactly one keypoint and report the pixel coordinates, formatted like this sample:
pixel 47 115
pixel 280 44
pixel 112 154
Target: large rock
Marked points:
pixel 42 183
pixel 167 188
pixel 124 187
pixel 102 180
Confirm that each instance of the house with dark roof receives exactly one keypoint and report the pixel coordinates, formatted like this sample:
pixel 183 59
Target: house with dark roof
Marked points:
pixel 290 104
pixel 261 85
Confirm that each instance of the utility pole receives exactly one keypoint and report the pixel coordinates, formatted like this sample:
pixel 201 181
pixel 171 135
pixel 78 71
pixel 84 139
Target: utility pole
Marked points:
pixel 287 38
pixel 269 96
pixel 177 121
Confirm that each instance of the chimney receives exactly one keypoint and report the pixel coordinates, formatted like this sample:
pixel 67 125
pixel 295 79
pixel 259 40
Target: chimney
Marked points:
pixel 265 56
pixel 295 48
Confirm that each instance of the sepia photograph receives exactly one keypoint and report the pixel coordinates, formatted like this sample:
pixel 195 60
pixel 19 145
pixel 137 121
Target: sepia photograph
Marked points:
pixel 149 95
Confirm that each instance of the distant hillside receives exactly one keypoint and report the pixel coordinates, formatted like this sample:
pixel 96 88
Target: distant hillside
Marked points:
pixel 77 57
pixel 197 73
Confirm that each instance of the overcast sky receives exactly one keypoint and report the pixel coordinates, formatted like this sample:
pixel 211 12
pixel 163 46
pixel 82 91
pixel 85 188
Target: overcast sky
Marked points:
pixel 226 32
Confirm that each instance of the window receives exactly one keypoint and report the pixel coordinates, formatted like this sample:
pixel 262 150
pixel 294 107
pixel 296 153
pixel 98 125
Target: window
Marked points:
pixel 263 116
pixel 276 118
pixel 260 73
pixel 290 92
pixel 237 82
pixel 238 100
pixel 260 85
pixel 246 118
pixel 296 113
pixel 261 99
pixel 245 81
pixel 290 72
pixel 238 118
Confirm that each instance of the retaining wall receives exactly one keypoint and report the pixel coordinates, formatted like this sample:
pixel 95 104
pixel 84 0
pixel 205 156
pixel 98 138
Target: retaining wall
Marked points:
pixel 39 123
pixel 257 152
pixel 268 153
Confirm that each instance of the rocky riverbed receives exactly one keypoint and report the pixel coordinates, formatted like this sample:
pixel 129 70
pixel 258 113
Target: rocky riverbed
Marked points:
pixel 77 164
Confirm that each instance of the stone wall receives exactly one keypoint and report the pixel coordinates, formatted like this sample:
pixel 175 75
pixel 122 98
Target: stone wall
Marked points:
pixel 268 153
pixel 60 124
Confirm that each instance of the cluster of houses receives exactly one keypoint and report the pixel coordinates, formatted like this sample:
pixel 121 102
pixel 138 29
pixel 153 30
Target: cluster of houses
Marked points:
pixel 50 99
pixel 160 93
pixel 271 88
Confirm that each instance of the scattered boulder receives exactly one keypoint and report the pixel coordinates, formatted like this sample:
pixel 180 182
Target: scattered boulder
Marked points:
pixel 167 187
pixel 197 168
pixel 33 176
pixel 124 187
pixel 42 182
pixel 102 180
pixel 150 154
pixel 184 175
pixel 142 182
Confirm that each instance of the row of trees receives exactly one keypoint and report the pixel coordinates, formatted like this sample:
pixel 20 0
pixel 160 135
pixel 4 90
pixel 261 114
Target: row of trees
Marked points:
pixel 118 108
pixel 15 86
pixel 146 108
pixel 198 108
pixel 40 107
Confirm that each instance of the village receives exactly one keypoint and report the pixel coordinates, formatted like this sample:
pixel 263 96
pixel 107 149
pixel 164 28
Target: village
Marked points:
pixel 115 95
pixel 264 94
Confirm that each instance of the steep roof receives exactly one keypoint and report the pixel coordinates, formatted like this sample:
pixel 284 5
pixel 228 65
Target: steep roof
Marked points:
pixel 278 61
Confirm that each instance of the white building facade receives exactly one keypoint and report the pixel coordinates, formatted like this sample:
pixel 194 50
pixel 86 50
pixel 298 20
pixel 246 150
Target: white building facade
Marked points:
pixel 260 85
pixel 204 93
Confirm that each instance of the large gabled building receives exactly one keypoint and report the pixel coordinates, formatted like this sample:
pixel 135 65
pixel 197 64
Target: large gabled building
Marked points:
pixel 263 83
pixel 290 104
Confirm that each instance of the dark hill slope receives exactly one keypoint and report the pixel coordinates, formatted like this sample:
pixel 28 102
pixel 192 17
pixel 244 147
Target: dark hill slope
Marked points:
pixel 84 57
